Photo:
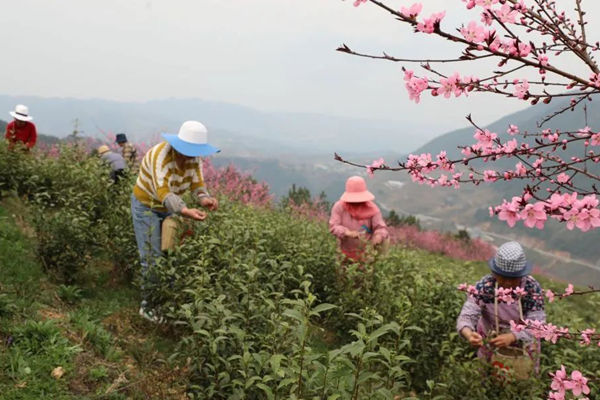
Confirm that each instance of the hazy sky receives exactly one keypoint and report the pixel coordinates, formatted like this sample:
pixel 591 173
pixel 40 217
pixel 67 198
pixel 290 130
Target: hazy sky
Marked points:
pixel 273 55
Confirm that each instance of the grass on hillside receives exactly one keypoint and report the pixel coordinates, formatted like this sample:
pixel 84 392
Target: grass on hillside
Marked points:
pixel 90 333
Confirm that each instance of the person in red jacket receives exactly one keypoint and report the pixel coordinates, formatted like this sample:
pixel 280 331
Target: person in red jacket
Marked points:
pixel 21 129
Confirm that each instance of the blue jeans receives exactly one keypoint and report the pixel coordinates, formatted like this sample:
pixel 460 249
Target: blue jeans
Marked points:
pixel 147 224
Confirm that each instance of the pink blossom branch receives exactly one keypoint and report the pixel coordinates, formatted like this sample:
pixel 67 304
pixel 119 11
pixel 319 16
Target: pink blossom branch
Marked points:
pixel 345 49
pixel 552 191
pixel 437 31
pixel 571 107
pixel 561 384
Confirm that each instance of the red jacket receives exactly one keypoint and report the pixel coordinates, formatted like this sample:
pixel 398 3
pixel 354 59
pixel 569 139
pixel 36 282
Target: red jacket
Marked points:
pixel 26 134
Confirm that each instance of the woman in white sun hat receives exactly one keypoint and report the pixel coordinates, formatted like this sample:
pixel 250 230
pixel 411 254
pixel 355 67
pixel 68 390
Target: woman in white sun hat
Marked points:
pixel 21 130
pixel 168 170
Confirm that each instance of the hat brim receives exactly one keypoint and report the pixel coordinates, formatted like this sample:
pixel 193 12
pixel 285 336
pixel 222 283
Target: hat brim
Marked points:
pixel 20 117
pixel 518 274
pixel 359 197
pixel 187 148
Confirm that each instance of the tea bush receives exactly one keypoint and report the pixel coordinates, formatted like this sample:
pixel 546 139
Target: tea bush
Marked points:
pixel 75 209
pixel 244 290
pixel 262 307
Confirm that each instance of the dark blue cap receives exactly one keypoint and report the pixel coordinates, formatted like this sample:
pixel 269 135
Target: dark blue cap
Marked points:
pixel 121 138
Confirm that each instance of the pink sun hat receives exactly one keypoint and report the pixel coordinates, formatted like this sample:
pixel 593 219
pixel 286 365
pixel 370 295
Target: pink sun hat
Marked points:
pixel 356 191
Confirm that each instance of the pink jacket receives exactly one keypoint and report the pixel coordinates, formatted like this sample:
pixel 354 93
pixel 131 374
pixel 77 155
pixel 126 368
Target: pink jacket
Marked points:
pixel 341 221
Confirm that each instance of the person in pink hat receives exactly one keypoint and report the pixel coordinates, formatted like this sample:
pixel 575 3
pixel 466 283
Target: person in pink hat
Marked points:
pixel 356 220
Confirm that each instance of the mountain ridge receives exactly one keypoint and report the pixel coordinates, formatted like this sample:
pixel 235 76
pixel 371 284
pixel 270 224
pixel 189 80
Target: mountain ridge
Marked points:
pixel 240 128
pixel 525 119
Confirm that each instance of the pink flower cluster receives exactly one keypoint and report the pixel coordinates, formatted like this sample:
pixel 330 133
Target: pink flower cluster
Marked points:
pixel 375 165
pixel 415 85
pixel 561 384
pixel 486 4
pixel 474 32
pixel 541 330
pixel 84 145
pixel 508 295
pixel 504 295
pixel 49 150
pixel 595 80
pixel 313 210
pixel 568 292
pixel 582 213
pixel 421 165
pixel 238 186
pixel 521 88
pixel 552 333
pixel 412 12
pixel 428 25
pixel 507 14
pixel 447 86
pixel 438 242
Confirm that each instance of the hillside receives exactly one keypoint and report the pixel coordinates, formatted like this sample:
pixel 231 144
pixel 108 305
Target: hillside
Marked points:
pixel 526 120
pixel 257 303
pixel 272 160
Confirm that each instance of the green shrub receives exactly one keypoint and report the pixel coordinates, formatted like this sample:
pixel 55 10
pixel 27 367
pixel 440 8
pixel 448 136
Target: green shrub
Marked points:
pixel 70 294
pixel 7 308
pixel 64 242
pixel 77 212
pixel 99 373
pixel 94 333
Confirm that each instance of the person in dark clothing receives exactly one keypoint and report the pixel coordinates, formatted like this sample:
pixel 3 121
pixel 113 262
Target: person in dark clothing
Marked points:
pixel 128 151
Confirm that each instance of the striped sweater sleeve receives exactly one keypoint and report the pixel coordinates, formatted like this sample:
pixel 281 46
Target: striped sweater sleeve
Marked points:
pixel 160 165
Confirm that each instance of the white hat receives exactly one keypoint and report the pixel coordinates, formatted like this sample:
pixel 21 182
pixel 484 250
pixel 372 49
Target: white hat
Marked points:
pixel 21 113
pixel 192 140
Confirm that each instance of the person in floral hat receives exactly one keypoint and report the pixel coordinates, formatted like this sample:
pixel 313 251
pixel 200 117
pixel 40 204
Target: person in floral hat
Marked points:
pixel 485 317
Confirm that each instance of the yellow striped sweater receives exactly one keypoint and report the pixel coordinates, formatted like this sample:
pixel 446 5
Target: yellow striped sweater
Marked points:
pixel 159 176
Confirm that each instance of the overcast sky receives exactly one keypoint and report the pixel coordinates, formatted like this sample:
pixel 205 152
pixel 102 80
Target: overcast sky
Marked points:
pixel 273 55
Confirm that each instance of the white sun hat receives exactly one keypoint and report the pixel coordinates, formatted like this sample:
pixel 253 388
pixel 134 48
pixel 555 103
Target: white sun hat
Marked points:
pixel 21 113
pixel 192 140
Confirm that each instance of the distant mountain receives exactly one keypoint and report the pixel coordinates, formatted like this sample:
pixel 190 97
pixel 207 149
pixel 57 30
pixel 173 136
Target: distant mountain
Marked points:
pixel 238 129
pixel 526 120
